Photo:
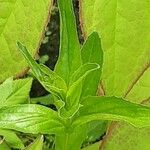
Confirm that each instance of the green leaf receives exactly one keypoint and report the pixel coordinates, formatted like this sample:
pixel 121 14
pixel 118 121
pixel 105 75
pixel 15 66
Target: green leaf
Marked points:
pixel 126 70
pixel 14 92
pixel 4 146
pixel 94 146
pixel 126 66
pixel 69 56
pixel 74 92
pixel 37 144
pixel 44 100
pixel 95 130
pixel 24 21
pixel 30 118
pixel 92 53
pixel 82 72
pixel 5 90
pixel 126 136
pixel 11 138
pixel 48 78
pixel 20 93
pixel 112 108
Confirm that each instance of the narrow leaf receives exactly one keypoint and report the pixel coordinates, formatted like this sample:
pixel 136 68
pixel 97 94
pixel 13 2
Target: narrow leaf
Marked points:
pixel 73 95
pixel 12 139
pixel 92 53
pixel 69 56
pixel 112 108
pixel 48 78
pixel 82 72
pixel 75 89
pixel 44 100
pixel 30 118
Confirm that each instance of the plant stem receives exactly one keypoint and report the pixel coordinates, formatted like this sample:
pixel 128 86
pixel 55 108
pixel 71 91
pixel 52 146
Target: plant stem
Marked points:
pixel 71 140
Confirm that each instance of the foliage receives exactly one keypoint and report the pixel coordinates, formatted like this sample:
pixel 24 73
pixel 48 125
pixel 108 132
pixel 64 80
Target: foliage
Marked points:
pixel 72 85
pixel 22 20
pixel 124 30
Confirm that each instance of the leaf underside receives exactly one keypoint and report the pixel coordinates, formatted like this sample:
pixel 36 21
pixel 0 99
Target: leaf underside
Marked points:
pixel 20 20
pixel 124 27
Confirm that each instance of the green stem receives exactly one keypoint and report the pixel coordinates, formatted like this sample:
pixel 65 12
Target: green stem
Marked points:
pixel 71 140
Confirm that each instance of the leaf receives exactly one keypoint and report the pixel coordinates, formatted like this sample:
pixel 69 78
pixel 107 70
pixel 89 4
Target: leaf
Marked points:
pixel 74 92
pixel 12 139
pixel 118 134
pixel 112 108
pixel 37 144
pixel 82 72
pixel 14 92
pixel 125 136
pixel 126 70
pixel 24 21
pixel 44 100
pixel 123 74
pixel 20 93
pixel 94 146
pixel 76 81
pixel 69 56
pixel 4 146
pixel 95 130
pixel 92 53
pixel 5 90
pixel 48 78
pixel 30 118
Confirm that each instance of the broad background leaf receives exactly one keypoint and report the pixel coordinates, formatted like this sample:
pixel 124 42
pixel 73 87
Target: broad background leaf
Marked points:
pixel 20 20
pixel 124 136
pixel 126 54
pixel 124 29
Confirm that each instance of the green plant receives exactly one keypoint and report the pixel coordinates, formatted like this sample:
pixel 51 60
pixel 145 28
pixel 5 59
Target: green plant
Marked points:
pixel 124 30
pixel 16 24
pixel 73 96
pixel 73 85
pixel 12 93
